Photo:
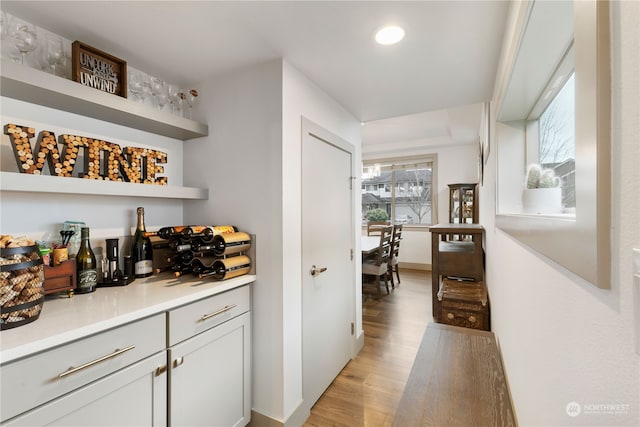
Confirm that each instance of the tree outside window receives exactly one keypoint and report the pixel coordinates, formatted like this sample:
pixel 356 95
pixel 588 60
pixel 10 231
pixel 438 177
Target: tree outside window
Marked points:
pixel 557 140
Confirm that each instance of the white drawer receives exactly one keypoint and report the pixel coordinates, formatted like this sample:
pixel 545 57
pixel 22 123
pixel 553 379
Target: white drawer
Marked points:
pixel 191 319
pixel 34 380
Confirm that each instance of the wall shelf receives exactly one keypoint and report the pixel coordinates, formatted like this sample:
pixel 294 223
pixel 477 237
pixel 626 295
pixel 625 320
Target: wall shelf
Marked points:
pixel 12 181
pixel 30 85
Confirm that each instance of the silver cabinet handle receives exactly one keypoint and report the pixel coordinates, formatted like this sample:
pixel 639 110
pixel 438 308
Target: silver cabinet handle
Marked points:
pixel 117 352
pixel 215 313
pixel 317 270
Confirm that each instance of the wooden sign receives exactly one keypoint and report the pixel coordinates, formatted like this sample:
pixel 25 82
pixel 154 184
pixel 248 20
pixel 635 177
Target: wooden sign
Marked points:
pixel 98 159
pixel 97 69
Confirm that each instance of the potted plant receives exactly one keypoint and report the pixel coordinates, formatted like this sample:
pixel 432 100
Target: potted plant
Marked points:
pixel 542 194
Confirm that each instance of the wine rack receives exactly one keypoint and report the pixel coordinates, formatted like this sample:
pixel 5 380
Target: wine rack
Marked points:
pixel 213 252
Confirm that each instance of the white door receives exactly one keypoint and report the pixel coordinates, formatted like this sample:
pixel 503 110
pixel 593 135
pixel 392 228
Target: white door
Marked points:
pixel 327 236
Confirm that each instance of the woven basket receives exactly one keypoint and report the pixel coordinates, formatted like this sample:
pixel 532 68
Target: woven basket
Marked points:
pixel 21 286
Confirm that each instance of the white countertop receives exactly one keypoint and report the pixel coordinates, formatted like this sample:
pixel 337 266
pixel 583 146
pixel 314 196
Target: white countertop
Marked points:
pixel 66 319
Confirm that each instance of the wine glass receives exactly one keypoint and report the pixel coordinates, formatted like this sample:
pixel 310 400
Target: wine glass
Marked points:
pixel 175 99
pixel 54 53
pixel 135 86
pixel 191 97
pixel 145 89
pixel 159 92
pixel 4 26
pixel 8 49
pixel 25 39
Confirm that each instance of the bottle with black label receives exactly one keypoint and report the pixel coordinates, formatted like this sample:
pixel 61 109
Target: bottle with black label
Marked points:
pixel 87 273
pixel 141 249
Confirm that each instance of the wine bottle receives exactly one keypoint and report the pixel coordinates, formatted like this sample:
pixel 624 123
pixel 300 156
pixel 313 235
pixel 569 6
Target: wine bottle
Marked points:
pixel 141 249
pixel 86 266
pixel 186 231
pixel 227 268
pixel 232 243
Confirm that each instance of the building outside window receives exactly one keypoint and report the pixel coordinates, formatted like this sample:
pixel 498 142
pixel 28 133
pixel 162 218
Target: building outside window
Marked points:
pixel 399 191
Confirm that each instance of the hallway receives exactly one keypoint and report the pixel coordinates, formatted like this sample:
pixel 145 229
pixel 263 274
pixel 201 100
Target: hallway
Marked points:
pixel 369 388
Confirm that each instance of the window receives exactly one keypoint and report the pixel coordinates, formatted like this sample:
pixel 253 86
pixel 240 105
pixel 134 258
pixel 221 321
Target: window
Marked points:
pixel 578 238
pixel 557 135
pixel 553 139
pixel 399 190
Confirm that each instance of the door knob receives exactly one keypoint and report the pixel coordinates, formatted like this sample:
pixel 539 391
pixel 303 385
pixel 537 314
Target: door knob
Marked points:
pixel 317 270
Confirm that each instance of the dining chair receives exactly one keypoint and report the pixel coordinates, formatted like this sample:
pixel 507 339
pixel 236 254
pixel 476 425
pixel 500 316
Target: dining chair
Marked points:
pixel 392 264
pixel 378 265
pixel 374 227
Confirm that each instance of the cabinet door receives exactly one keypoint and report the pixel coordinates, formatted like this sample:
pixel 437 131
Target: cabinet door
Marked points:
pixel 133 396
pixel 210 378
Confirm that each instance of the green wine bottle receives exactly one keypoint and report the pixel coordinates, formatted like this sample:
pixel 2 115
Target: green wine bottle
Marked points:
pixel 141 249
pixel 86 266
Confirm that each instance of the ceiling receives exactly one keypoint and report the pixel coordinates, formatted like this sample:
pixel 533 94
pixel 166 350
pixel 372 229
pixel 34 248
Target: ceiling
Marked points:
pixel 447 60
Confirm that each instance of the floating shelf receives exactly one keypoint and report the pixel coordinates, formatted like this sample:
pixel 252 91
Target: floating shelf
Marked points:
pixel 12 181
pixel 37 87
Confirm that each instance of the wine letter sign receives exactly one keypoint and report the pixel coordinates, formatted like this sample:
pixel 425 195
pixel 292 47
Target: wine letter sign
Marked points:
pixel 102 160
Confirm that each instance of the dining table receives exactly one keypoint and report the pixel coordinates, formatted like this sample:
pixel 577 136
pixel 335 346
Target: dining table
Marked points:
pixel 369 244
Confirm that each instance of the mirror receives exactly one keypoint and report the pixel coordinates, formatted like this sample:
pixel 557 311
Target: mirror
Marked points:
pixel 557 78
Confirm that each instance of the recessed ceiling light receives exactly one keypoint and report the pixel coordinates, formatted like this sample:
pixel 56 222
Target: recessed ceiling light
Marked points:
pixel 389 35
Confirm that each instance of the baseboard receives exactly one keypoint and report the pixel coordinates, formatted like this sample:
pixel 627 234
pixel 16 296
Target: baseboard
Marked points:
pixel 296 419
pixel 415 266
pixel 359 343
pixel 260 420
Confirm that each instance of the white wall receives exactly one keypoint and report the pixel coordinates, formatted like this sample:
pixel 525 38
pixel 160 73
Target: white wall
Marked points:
pixel 302 98
pixel 252 162
pixel 241 161
pixel 562 339
pixel 41 215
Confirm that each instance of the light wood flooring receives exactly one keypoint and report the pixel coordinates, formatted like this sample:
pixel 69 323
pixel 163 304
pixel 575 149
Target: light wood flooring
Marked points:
pixel 369 388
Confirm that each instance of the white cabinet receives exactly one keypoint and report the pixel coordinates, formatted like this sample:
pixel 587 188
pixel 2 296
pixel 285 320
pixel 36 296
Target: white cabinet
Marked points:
pixel 187 363
pixel 209 377
pixel 210 370
pixel 107 367
pixel 133 396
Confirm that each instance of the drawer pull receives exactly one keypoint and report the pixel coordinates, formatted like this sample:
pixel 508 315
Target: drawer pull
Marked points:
pixel 179 361
pixel 215 313
pixel 450 316
pixel 117 352
pixel 472 319
pixel 160 370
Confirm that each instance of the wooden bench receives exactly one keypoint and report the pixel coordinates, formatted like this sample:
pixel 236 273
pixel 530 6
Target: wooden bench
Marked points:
pixel 457 379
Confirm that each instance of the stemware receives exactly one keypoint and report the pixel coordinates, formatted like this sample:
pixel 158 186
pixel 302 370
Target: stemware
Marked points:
pixel 134 84
pixel 4 25
pixel 175 99
pixel 159 92
pixel 54 53
pixel 145 90
pixel 25 39
pixel 8 48
pixel 191 97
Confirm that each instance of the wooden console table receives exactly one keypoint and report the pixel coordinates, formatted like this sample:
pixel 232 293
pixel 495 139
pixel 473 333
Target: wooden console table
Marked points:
pixel 457 379
pixel 456 258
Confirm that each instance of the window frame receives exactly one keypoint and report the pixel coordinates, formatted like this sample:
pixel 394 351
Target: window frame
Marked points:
pixel 581 243
pixel 399 163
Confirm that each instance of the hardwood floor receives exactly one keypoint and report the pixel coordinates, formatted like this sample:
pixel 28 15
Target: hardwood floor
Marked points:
pixel 369 388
